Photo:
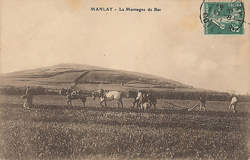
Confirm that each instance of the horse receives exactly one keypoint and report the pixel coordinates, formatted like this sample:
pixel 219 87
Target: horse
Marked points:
pixel 108 96
pixel 73 95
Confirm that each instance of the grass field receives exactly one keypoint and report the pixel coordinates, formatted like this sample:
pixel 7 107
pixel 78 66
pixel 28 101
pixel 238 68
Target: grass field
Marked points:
pixel 52 130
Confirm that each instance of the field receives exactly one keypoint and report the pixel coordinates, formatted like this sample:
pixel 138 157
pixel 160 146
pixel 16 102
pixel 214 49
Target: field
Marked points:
pixel 52 130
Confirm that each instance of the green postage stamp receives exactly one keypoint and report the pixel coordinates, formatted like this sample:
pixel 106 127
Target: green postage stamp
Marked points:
pixel 223 17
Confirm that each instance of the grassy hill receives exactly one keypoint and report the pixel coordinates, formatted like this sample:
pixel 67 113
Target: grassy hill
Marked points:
pixel 88 78
pixel 85 76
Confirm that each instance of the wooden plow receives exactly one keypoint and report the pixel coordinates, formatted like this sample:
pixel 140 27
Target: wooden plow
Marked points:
pixel 174 106
pixel 190 109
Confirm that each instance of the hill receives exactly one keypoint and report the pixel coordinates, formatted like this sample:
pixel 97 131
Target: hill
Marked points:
pixel 86 77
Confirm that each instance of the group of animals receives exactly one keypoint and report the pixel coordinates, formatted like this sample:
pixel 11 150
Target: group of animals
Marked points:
pixel 142 99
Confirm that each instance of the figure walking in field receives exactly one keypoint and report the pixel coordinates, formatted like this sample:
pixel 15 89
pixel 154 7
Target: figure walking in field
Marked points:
pixel 233 103
pixel 28 103
pixel 203 99
pixel 138 99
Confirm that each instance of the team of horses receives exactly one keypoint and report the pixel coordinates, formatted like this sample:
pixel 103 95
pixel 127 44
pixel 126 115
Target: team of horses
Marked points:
pixel 142 99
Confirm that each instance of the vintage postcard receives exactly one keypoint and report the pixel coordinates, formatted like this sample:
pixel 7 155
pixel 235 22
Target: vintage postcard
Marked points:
pixel 124 79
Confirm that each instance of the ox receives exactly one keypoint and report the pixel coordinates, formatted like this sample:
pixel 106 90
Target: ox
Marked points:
pixel 73 95
pixel 143 97
pixel 108 96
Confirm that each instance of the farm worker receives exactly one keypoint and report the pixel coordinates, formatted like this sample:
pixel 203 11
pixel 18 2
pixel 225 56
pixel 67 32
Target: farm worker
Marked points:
pixel 233 103
pixel 203 102
pixel 138 98
pixel 28 98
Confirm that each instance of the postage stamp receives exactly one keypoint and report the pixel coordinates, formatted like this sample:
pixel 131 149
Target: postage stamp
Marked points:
pixel 223 17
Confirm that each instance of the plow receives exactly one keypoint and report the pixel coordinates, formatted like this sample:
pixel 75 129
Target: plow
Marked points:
pixel 179 107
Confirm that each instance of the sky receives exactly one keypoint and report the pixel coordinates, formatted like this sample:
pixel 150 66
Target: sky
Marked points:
pixel 169 43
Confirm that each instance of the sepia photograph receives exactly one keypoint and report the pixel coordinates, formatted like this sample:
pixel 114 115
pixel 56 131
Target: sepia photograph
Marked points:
pixel 124 80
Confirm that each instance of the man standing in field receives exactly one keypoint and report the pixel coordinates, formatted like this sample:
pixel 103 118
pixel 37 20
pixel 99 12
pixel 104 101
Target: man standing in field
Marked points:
pixel 203 99
pixel 138 98
pixel 28 103
pixel 233 103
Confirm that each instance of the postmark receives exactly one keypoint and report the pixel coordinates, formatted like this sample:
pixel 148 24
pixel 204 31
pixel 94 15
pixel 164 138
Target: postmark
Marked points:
pixel 222 17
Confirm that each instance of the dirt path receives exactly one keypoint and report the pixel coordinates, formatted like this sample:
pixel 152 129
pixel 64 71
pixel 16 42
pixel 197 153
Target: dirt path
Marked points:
pixel 80 77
